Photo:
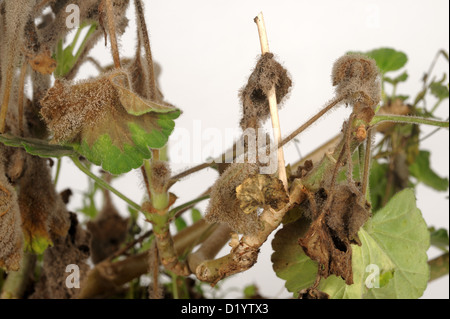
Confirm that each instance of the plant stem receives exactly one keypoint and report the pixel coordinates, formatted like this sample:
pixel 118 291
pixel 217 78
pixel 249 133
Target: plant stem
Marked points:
pixel 272 97
pixel 311 121
pixel 58 170
pixel 406 119
pixel 367 159
pixel 23 73
pixel 103 184
pixel 439 266
pixel 112 33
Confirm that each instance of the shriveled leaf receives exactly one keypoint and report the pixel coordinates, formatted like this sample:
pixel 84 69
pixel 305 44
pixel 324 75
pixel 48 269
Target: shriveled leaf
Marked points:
pixel 394 242
pixel 261 190
pixel 421 170
pixel 11 239
pixel 37 147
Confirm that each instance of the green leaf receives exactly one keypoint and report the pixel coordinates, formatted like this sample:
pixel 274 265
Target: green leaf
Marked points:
pixel 401 78
pixel 377 183
pixel 196 215
pixel 37 147
pixel 64 57
pixel 394 243
pixel 439 238
pixel 421 170
pixel 180 223
pixel 439 90
pixel 388 59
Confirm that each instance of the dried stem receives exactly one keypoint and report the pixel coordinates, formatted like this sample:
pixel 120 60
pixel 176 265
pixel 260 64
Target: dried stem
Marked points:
pixel 112 33
pixel 272 97
pixel 108 276
pixel 367 159
pixel 148 51
pixel 23 73
pixel 244 255
pixel 311 121
pixel 210 247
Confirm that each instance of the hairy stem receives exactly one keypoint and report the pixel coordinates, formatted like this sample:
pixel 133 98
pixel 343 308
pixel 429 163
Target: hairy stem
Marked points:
pixel 148 51
pixel 107 276
pixel 406 119
pixel 438 266
pixel 112 33
pixel 103 184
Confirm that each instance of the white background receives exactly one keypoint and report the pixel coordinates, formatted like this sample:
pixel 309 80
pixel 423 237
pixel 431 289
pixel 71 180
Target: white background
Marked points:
pixel 208 48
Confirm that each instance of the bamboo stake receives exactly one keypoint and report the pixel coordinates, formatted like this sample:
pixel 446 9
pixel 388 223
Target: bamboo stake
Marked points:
pixel 259 20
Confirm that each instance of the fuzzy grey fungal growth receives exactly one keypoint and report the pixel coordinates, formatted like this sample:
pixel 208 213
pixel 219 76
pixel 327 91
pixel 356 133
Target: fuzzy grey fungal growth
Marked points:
pixel 67 108
pixel 160 176
pixel 357 79
pixel 255 105
pixel 224 207
pixel 11 238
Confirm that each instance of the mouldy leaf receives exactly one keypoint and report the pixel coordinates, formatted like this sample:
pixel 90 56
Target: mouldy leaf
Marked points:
pixel 11 239
pixel 72 249
pixel 421 170
pixel 107 123
pixel 44 216
pixel 356 78
pixel 395 240
pixel 224 207
pixel 268 73
pixel 261 190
